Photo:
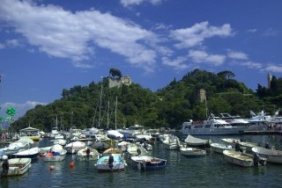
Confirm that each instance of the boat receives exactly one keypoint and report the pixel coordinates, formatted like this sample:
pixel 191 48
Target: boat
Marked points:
pixel 212 126
pixel 148 162
pixel 170 141
pixel 247 146
pixel 219 147
pixel 272 155
pixel 56 153
pixel 93 154
pixel 31 132
pixel 28 153
pixel 230 140
pixel 242 159
pixel 18 166
pixel 102 163
pixel 193 141
pixel 192 152
pixel 73 147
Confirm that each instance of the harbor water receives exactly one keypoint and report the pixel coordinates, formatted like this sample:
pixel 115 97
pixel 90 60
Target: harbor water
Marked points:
pixel 209 171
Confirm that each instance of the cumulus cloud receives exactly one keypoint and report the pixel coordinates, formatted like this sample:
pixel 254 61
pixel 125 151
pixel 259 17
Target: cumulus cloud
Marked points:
pixel 179 63
pixel 21 108
pixel 11 43
pixel 199 56
pixel 65 34
pixel 127 3
pixel 237 55
pixel 195 35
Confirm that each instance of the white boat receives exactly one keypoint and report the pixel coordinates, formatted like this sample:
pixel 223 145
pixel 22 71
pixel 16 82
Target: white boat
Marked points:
pixel 170 141
pixel 28 153
pixel 118 163
pixel 192 152
pixel 219 147
pixel 193 141
pixel 18 166
pixel 148 162
pixel 247 145
pixel 73 147
pixel 242 159
pixel 230 140
pixel 212 126
pixel 60 141
pixel 56 153
pixel 83 156
pixel 272 155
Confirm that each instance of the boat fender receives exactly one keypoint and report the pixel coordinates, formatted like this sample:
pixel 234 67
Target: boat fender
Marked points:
pixel 71 165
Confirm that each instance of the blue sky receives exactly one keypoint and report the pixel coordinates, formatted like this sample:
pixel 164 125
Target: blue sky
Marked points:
pixel 49 45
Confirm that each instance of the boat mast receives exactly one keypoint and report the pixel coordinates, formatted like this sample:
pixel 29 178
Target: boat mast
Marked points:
pixel 108 115
pixel 116 114
pixel 100 106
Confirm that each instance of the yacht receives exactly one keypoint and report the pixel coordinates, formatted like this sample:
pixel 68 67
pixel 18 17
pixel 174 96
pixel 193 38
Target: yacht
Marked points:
pixel 212 126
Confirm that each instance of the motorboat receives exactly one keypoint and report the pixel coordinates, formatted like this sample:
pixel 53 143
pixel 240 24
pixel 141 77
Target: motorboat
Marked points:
pixel 272 155
pixel 18 166
pixel 192 152
pixel 73 147
pixel 143 162
pixel 242 159
pixel 28 153
pixel 219 147
pixel 193 141
pixel 93 154
pixel 119 163
pixel 170 141
pixel 56 153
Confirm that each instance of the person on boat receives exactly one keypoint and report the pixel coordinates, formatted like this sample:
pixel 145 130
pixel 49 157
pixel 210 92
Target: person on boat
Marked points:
pixel 256 159
pixel 5 165
pixel 87 153
pixel 267 146
pixel 111 161
pixel 237 147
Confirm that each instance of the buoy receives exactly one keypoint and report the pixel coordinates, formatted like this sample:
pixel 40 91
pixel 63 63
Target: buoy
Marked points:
pixel 71 165
pixel 51 167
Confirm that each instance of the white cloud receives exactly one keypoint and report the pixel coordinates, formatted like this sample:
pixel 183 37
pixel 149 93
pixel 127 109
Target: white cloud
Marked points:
pixel 252 30
pixel 11 43
pixel 21 108
pixel 65 34
pixel 178 63
pixel 127 3
pixel 199 56
pixel 195 35
pixel 237 55
pixel 274 68
pixel 2 46
pixel 251 65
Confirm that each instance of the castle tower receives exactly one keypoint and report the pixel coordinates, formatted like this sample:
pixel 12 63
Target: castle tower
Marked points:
pixel 203 96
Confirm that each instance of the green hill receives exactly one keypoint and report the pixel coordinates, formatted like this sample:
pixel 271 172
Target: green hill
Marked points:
pixel 177 102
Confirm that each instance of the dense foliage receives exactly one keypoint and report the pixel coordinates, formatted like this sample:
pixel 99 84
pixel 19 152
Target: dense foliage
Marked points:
pixel 100 106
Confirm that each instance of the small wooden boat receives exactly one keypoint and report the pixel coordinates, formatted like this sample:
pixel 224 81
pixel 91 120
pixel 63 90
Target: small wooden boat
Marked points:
pixel 18 166
pixel 219 148
pixel 148 162
pixel 242 159
pixel 93 154
pixel 102 164
pixel 192 152
pixel 193 141
pixel 272 155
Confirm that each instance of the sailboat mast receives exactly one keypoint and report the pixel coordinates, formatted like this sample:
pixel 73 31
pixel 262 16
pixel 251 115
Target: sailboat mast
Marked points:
pixel 116 114
pixel 108 115
pixel 100 106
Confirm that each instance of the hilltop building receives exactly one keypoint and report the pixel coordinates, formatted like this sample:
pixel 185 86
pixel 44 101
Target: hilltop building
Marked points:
pixel 124 80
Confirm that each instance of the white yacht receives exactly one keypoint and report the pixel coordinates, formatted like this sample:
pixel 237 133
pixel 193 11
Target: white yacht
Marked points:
pixel 212 126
